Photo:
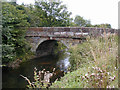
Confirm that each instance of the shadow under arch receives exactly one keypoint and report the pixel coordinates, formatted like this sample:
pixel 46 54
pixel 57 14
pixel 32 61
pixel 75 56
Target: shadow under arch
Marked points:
pixel 49 47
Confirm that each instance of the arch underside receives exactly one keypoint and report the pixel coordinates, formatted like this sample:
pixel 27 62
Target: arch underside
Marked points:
pixel 36 41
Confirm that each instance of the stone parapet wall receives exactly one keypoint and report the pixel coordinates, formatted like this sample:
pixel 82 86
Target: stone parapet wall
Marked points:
pixel 67 35
pixel 67 31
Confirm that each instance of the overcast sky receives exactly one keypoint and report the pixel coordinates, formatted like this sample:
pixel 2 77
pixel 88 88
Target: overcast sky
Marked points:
pixel 97 11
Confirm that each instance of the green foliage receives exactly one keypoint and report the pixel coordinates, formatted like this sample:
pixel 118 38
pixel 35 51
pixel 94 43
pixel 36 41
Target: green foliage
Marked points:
pixel 81 22
pixel 102 25
pixel 60 47
pixel 14 44
pixel 46 13
pixel 98 49
pixel 80 54
pixel 8 53
pixel 12 16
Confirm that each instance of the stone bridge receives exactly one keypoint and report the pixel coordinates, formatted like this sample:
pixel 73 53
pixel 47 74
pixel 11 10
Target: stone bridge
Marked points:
pixel 66 35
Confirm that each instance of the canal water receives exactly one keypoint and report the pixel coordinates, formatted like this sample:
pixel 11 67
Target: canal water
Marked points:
pixel 12 79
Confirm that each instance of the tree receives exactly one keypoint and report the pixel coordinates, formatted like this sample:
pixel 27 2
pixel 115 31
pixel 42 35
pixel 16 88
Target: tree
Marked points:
pixel 52 13
pixel 80 21
pixel 13 41
pixel 103 25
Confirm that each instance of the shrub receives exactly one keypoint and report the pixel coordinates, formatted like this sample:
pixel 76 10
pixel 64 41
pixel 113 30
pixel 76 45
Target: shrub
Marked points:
pixel 102 50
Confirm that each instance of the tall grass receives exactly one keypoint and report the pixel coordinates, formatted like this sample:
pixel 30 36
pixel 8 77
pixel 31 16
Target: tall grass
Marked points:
pixel 94 64
pixel 102 51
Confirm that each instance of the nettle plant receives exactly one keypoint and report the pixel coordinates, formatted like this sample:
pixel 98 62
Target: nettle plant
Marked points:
pixel 99 78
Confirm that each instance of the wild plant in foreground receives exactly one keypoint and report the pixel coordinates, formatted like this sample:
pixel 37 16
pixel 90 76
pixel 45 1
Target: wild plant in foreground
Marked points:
pixel 105 52
pixel 41 79
pixel 102 52
pixel 98 78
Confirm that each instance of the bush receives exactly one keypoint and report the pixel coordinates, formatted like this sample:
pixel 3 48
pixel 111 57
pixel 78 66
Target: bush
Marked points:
pixel 13 36
pixel 102 50
pixel 79 55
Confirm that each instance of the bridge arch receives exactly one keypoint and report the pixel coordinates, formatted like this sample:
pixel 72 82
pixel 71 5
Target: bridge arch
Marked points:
pixel 47 46
pixel 36 41
pixel 39 42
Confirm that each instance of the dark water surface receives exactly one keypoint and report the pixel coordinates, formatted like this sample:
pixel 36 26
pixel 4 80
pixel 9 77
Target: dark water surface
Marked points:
pixel 12 79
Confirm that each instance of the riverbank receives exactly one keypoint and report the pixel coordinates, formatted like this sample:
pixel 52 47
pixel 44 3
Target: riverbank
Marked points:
pixel 16 63
pixel 94 64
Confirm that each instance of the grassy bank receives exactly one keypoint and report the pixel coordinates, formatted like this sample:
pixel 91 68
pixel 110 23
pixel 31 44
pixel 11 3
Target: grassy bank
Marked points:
pixel 94 64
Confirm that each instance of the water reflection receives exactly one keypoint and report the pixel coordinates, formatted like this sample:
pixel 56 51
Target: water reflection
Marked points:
pixel 12 79
pixel 63 64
